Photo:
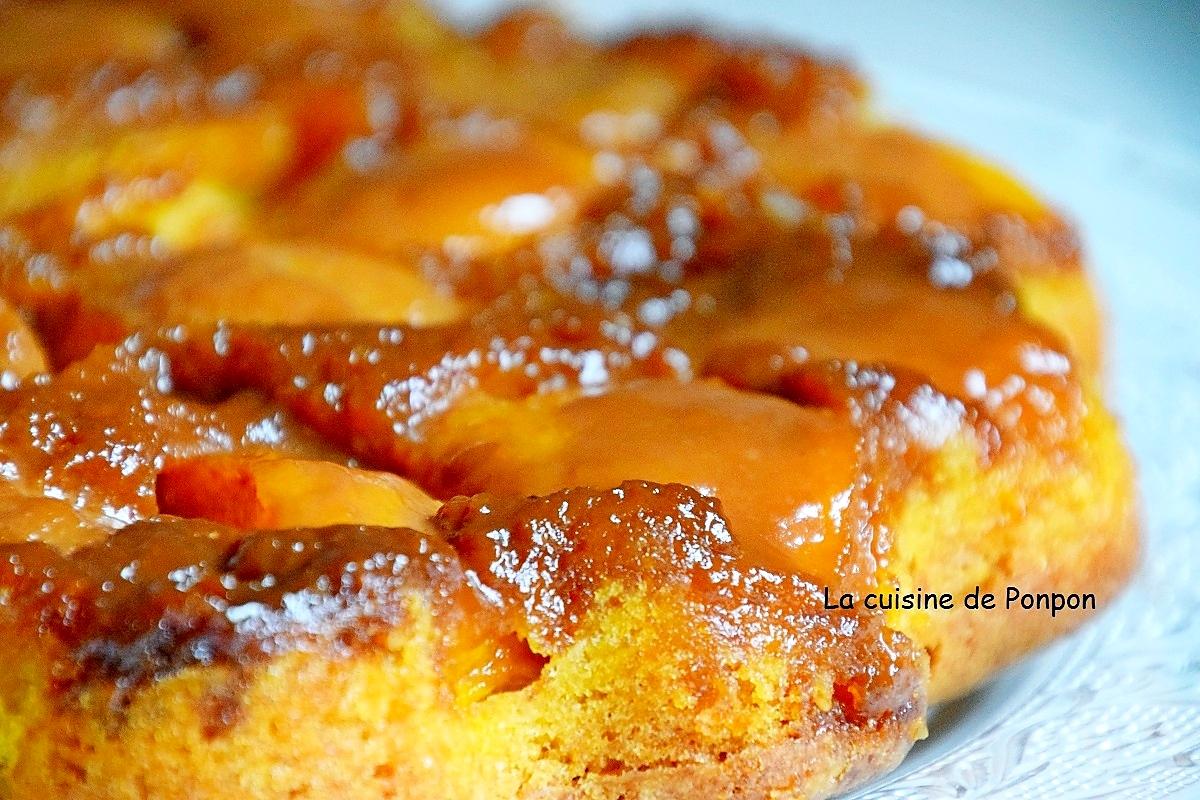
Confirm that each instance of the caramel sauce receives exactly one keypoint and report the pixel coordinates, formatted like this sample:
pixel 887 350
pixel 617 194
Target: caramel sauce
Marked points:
pixel 548 559
pixel 156 597
pixel 95 436
pixel 159 596
pixel 930 308
pixel 787 474
pixel 374 390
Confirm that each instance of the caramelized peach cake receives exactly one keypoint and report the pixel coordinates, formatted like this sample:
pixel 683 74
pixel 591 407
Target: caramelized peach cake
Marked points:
pixel 396 411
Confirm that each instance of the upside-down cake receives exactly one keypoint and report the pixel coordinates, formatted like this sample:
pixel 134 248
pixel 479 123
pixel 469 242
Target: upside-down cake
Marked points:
pixel 393 411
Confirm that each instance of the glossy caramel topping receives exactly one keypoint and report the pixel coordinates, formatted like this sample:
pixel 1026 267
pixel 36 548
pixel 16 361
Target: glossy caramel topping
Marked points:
pixel 374 390
pixel 549 557
pixel 881 175
pixel 923 305
pixel 96 435
pixel 157 597
pixel 787 474
pixel 551 560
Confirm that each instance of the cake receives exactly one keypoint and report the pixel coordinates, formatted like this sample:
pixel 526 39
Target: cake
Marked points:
pixel 393 410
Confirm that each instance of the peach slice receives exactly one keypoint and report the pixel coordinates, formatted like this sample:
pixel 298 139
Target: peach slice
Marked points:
pixel 468 197
pixel 181 214
pixel 245 152
pixel 267 493
pixel 272 282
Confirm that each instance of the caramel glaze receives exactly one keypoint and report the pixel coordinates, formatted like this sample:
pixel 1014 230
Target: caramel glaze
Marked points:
pixel 95 436
pixel 374 390
pixel 793 325
pixel 78 277
pixel 159 596
pixel 551 559
pixel 889 306
pixel 837 330
pixel 510 584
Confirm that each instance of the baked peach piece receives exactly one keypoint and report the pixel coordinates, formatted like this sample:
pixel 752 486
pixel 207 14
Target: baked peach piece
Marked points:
pixel 264 492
